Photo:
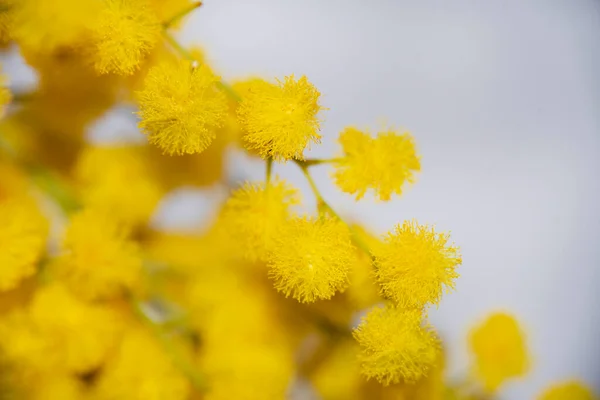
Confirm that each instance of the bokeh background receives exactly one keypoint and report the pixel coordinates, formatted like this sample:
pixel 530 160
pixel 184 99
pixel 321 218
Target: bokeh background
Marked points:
pixel 503 98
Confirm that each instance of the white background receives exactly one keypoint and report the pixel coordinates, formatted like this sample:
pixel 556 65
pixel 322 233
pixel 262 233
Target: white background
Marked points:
pixel 503 99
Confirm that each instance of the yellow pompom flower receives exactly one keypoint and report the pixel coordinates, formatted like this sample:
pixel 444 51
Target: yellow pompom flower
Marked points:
pixel 118 180
pixel 23 232
pixel 311 257
pixel 280 121
pixel 254 214
pixel 99 260
pixel 499 350
pixel 383 163
pixel 395 345
pixel 43 26
pixel 79 335
pixel 5 96
pixel 570 390
pixel 414 264
pixel 141 370
pixel 125 33
pixel 181 108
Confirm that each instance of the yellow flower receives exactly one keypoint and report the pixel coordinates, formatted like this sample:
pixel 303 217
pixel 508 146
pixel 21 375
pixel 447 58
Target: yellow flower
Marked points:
pixel 569 390
pixel 383 163
pixel 363 291
pixel 181 107
pixel 415 264
pixel 280 121
pixel 119 181
pixel 44 26
pixel 395 346
pixel 7 8
pixel 499 349
pixel 79 334
pixel 5 96
pixel 125 33
pixel 23 232
pixel 310 258
pixel 338 376
pixel 141 370
pixel 99 260
pixel 254 214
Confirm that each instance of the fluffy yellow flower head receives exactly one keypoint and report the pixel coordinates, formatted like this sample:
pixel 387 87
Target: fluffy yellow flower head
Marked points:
pixel 125 33
pixel 23 231
pixel 181 108
pixel 79 334
pixel 99 260
pixel 44 26
pixel 311 257
pixel 383 163
pixel 570 390
pixel 280 121
pixel 255 212
pixel 414 264
pixel 141 370
pixel 119 181
pixel 499 348
pixel 395 346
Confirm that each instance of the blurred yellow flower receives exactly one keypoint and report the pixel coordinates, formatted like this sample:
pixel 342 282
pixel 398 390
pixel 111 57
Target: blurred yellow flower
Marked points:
pixel 255 213
pixel 569 390
pixel 499 350
pixel 98 259
pixel 23 233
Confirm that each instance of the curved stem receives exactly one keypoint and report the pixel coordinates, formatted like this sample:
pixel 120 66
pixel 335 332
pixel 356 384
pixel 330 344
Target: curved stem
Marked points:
pixel 175 18
pixel 322 205
pixel 179 361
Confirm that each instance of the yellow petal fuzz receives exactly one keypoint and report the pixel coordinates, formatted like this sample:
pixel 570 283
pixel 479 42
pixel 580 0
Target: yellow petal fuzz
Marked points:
pixel 254 214
pixel 395 346
pixel 23 232
pixel 181 108
pixel 310 258
pixel 383 163
pixel 280 120
pixel 569 390
pixel 499 350
pixel 125 33
pixel 99 260
pixel 415 264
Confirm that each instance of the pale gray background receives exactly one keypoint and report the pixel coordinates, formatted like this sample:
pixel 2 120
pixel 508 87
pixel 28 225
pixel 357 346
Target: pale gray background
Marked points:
pixel 502 97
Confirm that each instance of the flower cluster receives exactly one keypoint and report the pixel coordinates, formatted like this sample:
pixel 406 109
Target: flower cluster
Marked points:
pixel 97 302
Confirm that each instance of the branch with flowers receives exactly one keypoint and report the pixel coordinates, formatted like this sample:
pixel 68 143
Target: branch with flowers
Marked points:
pixel 97 303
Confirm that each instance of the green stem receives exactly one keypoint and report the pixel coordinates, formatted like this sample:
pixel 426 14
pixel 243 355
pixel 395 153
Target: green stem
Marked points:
pixel 179 361
pixel 224 87
pixel 269 169
pixel 323 205
pixel 315 161
pixel 176 46
pixel 168 23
